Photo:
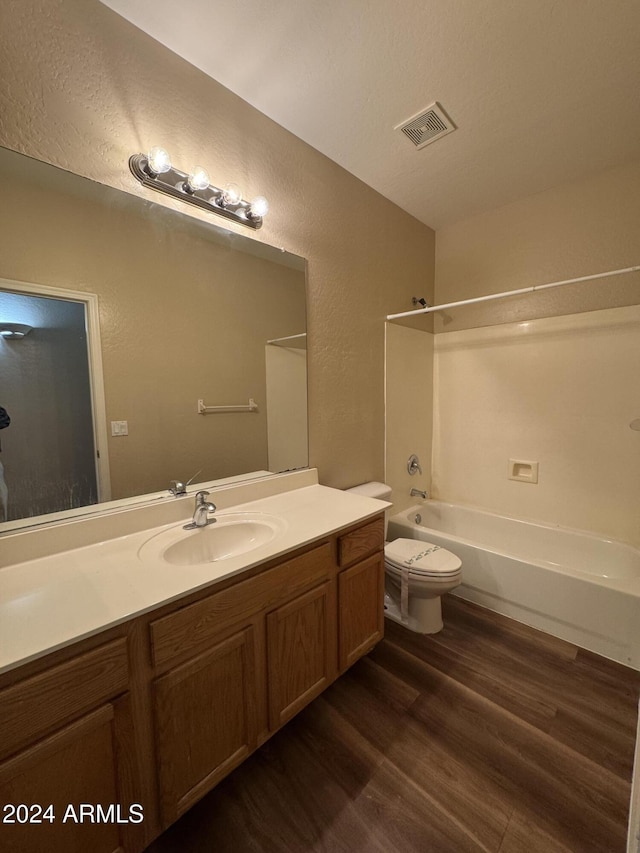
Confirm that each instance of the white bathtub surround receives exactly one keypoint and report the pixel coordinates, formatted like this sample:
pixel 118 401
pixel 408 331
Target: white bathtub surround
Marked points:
pixel 85 575
pixel 409 408
pixel 569 583
pixel 560 391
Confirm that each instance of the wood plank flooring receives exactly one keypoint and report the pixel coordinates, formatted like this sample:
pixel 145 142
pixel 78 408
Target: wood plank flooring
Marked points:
pixel 488 736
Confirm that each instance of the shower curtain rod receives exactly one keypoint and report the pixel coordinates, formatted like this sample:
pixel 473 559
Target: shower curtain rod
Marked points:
pixel 535 287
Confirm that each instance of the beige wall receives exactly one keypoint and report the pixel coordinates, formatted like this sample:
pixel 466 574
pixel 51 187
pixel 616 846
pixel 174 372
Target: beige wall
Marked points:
pixel 560 391
pixel 576 229
pixel 84 89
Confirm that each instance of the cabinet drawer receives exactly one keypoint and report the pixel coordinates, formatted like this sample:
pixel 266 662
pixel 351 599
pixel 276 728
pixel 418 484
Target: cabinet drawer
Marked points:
pixel 38 704
pixel 193 627
pixel 361 543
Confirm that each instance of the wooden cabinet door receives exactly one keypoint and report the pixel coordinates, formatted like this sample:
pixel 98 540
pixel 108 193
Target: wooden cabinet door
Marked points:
pixel 205 721
pixel 360 609
pixel 301 652
pixel 67 775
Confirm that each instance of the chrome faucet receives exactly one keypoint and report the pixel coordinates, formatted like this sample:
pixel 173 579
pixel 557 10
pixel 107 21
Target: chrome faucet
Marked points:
pixel 419 493
pixel 203 507
pixel 177 487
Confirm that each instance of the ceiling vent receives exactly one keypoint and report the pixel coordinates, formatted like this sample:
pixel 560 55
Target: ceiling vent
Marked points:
pixel 427 126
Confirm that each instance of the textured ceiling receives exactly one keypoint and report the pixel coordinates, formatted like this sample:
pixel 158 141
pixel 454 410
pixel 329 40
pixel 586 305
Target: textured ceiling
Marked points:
pixel 541 93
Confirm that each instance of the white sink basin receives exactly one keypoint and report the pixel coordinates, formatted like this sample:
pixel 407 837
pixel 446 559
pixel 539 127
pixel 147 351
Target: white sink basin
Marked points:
pixel 231 535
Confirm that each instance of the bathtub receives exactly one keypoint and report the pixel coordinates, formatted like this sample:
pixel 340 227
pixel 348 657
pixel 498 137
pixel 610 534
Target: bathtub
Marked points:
pixel 575 585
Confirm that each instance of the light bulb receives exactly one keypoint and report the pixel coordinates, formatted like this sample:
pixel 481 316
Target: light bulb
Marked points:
pixel 231 194
pixel 158 160
pixel 14 330
pixel 259 207
pixel 198 179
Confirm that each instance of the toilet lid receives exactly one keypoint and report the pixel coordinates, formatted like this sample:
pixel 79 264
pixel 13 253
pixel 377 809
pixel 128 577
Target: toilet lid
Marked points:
pixel 421 558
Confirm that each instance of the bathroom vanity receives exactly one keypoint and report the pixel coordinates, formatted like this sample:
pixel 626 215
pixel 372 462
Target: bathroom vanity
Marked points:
pixel 110 732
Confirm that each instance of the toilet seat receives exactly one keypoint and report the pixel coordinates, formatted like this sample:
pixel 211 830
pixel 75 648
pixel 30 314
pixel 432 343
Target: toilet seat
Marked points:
pixel 421 559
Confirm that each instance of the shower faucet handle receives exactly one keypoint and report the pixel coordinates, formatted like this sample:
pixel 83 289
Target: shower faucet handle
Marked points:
pixel 413 465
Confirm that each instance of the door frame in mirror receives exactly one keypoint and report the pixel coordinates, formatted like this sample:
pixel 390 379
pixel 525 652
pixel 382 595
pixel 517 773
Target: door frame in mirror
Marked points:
pixel 96 376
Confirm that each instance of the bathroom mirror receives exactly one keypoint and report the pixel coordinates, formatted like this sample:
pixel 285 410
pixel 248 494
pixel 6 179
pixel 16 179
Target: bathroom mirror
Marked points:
pixel 186 311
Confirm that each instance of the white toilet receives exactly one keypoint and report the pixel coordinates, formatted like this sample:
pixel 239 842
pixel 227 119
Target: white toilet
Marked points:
pixel 417 574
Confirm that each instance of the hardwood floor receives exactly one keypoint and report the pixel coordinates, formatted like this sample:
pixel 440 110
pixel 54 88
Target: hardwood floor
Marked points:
pixel 488 736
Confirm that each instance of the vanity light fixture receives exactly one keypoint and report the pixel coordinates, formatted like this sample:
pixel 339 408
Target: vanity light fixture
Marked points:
pixel 156 171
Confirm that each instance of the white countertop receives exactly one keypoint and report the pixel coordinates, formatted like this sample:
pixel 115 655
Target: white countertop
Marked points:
pixel 53 601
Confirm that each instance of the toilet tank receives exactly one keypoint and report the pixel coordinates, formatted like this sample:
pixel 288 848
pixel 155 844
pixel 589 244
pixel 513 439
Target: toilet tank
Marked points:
pixel 380 491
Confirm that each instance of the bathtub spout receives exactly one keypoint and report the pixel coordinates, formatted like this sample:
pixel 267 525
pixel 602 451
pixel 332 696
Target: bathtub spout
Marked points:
pixel 419 493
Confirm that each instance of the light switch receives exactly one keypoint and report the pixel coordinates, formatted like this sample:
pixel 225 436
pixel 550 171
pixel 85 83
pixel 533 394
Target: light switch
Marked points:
pixel 525 472
pixel 119 428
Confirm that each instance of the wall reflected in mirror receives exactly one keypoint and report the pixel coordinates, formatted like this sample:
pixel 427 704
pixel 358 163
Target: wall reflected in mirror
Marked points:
pixel 187 311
